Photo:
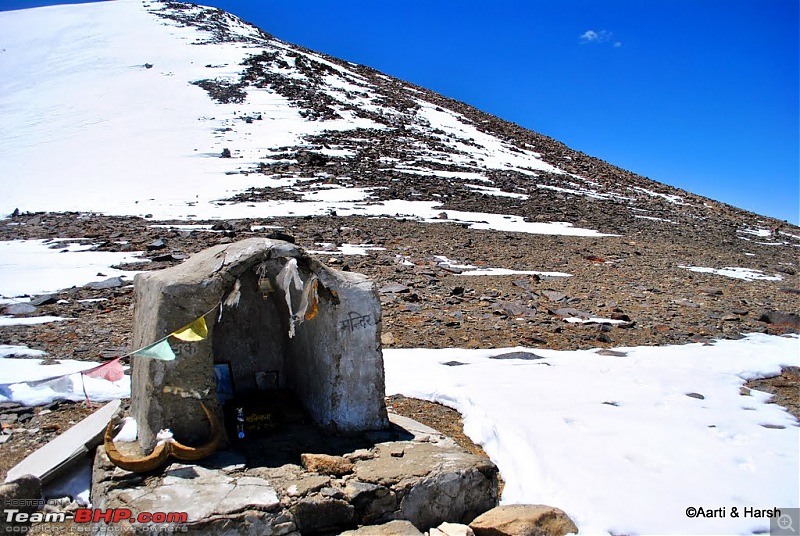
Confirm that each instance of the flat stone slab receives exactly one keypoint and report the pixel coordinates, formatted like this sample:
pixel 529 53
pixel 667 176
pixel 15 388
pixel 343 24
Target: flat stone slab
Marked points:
pixel 411 473
pixel 203 493
pixel 65 449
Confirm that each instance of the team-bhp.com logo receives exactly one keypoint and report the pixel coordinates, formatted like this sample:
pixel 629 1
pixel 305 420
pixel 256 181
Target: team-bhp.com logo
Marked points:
pixel 94 515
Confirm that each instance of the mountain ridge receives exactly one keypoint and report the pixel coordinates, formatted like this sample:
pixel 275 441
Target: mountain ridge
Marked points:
pixel 351 125
pixel 554 152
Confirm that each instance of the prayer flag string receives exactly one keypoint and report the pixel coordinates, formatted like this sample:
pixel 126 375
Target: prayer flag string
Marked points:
pixel 196 330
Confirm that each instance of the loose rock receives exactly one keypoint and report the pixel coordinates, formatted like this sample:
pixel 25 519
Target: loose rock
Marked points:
pixel 325 464
pixel 112 282
pixel 523 520
pixel 392 528
pixel 452 529
pixel 19 309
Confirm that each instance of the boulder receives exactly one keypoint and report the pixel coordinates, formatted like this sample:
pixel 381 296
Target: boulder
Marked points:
pixel 44 299
pixel 111 282
pixel 434 481
pixel 321 514
pixel 23 494
pixel 527 356
pixel 372 502
pixel 158 243
pixel 20 309
pixel 523 520
pixel 786 321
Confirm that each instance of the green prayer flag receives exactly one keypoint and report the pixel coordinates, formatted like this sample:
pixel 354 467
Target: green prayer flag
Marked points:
pixel 160 350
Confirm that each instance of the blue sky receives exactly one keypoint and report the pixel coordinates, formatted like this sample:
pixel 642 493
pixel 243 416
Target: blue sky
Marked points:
pixel 698 94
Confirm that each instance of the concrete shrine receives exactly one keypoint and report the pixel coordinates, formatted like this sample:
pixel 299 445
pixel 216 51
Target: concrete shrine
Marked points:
pixel 277 319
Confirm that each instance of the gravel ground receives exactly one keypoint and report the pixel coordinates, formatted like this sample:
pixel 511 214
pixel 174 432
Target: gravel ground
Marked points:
pixel 636 278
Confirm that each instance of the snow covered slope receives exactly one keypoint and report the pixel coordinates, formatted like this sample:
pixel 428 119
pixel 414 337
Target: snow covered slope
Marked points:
pixel 126 108
pixel 99 114
pixel 102 105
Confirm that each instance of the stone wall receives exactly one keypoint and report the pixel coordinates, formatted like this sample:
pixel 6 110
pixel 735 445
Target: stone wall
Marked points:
pixel 408 472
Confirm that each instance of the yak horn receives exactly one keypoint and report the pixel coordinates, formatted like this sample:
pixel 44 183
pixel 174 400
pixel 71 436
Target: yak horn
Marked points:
pixel 192 454
pixel 141 464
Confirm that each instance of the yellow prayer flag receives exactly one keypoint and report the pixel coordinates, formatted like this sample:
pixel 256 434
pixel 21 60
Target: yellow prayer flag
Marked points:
pixel 196 331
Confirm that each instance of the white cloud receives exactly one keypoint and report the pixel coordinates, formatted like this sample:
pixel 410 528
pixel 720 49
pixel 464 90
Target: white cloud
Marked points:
pixel 599 36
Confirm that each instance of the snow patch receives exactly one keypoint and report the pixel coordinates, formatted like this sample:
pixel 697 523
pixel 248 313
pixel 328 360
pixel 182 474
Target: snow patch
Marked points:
pixel 675 199
pixel 763 233
pixel 15 372
pixel 490 190
pixel 506 271
pixel 592 320
pixel 576 429
pixel 7 350
pixel 6 321
pixel 42 266
pixel 747 274
pixel 471 269
pixel 328 248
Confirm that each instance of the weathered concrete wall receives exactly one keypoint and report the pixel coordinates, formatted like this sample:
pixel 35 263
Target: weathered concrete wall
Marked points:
pixel 335 356
pixel 253 334
pixel 334 361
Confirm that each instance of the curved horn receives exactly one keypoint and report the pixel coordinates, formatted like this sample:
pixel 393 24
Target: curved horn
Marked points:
pixel 141 464
pixel 192 454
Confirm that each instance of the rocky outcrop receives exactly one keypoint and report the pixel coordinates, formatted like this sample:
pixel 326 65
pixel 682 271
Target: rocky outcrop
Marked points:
pixel 410 472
